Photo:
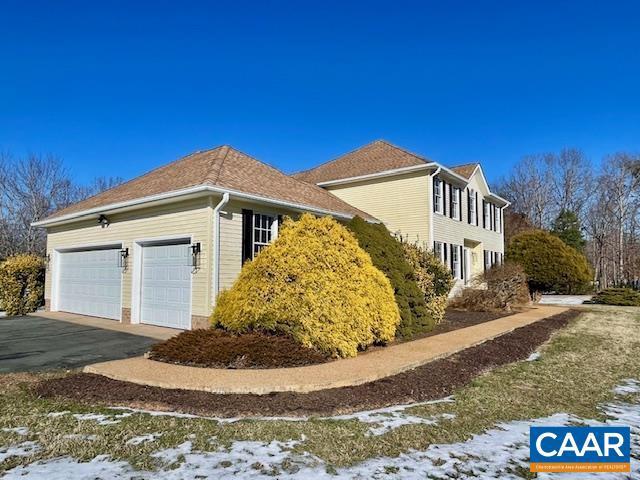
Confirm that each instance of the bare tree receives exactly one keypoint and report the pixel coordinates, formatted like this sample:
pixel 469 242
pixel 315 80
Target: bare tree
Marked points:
pixel 572 177
pixel 32 188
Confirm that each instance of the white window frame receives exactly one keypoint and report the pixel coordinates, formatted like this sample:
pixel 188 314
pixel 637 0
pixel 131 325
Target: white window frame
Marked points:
pixel 498 219
pixel 455 203
pixel 438 195
pixel 271 231
pixel 455 262
pixel 472 206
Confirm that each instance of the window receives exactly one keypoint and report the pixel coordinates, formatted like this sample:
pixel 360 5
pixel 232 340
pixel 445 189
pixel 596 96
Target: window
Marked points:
pixel 438 251
pixel 438 202
pixel 487 216
pixel 455 261
pixel 265 229
pixel 498 220
pixel 455 203
pixel 472 206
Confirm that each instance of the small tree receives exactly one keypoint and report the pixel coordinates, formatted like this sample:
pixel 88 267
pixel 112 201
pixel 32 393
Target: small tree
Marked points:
pixel 550 264
pixel 316 284
pixel 21 284
pixel 568 229
pixel 387 255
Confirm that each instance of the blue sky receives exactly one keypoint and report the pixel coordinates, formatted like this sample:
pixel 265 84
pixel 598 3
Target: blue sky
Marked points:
pixel 118 88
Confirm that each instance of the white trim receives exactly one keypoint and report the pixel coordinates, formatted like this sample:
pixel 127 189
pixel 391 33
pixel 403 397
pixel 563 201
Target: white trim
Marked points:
pixel 193 191
pixel 385 173
pixel 136 277
pixel 57 262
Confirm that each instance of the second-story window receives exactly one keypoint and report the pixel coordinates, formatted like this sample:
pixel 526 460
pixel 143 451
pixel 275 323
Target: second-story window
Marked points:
pixel 438 201
pixel 455 203
pixel 487 215
pixel 472 206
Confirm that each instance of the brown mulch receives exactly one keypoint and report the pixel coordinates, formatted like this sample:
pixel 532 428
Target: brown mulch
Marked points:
pixel 432 381
pixel 216 348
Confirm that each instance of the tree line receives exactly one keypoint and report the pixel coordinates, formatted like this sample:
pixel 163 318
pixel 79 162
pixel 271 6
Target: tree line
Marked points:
pixel 595 209
pixel 32 187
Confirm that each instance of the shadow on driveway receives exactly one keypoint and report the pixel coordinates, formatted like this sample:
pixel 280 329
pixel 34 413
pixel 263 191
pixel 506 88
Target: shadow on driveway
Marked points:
pixel 34 343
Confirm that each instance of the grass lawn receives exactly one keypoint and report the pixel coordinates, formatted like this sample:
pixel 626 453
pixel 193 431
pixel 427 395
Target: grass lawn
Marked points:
pixel 574 378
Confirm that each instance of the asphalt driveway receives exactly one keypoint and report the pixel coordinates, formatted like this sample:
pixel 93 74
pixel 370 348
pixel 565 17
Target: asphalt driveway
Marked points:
pixel 34 343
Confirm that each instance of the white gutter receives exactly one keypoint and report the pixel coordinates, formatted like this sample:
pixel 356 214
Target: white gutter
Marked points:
pixel 431 231
pixel 216 246
pixel 200 189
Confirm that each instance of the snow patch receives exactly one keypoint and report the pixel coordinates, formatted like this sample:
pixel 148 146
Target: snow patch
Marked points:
pixel 533 357
pixel 150 437
pixel 23 449
pixel 629 387
pixel 18 430
pixel 101 419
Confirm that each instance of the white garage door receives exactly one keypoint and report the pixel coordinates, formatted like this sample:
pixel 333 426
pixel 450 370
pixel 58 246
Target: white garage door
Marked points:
pixel 166 285
pixel 90 283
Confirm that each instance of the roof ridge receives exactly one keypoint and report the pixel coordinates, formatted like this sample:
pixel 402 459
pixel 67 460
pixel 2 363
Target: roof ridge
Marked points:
pixel 214 178
pixel 465 164
pixel 326 162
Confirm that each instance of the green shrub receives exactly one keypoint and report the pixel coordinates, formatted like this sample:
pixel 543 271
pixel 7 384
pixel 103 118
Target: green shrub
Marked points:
pixel 21 284
pixel 387 255
pixel 500 288
pixel 433 278
pixel 625 297
pixel 316 284
pixel 550 264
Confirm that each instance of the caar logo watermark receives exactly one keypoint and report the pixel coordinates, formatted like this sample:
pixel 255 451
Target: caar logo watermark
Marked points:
pixel 580 449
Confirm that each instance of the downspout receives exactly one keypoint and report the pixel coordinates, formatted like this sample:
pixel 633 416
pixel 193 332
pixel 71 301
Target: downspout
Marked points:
pixel 216 246
pixel 432 212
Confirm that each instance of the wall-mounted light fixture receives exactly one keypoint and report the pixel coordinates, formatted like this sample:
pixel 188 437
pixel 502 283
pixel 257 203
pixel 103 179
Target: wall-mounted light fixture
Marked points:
pixel 123 258
pixel 46 259
pixel 195 254
pixel 103 221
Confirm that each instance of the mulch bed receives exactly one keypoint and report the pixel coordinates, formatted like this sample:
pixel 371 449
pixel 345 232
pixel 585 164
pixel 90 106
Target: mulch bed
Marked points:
pixel 432 381
pixel 216 348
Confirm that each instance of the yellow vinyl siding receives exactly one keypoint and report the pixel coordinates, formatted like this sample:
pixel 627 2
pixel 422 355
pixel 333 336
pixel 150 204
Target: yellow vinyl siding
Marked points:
pixel 401 202
pixel 192 217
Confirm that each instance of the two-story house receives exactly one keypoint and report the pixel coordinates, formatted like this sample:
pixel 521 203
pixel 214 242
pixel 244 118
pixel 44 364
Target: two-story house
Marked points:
pixel 450 210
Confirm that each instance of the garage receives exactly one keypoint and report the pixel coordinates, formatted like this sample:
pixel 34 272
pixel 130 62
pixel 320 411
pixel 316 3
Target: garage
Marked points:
pixel 90 282
pixel 166 285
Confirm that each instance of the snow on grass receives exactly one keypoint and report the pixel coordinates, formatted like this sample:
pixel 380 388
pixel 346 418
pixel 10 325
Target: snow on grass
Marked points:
pixel 150 437
pixel 533 357
pixel 100 418
pixel 629 387
pixel 501 452
pixel 389 418
pixel 18 430
pixel 23 449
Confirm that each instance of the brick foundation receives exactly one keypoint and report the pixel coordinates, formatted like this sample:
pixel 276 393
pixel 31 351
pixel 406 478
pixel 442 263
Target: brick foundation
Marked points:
pixel 126 316
pixel 198 321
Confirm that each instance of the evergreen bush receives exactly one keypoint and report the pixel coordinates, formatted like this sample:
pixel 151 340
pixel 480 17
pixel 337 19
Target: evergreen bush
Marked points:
pixel 21 284
pixel 316 284
pixel 387 255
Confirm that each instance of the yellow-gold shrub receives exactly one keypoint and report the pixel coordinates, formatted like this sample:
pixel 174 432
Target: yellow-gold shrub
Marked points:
pixel 316 284
pixel 21 284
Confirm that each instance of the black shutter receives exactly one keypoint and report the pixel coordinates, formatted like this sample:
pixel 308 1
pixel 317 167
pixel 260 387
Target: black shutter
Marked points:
pixel 445 199
pixel 280 219
pixel 247 235
pixel 444 251
pixel 452 246
pixel 462 262
pixel 469 207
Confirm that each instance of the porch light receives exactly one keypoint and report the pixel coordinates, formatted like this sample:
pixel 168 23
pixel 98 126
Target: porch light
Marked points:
pixel 103 221
pixel 124 255
pixel 195 254
pixel 46 259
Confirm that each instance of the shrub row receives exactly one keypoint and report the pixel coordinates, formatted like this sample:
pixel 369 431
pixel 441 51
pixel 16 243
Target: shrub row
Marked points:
pixel 625 297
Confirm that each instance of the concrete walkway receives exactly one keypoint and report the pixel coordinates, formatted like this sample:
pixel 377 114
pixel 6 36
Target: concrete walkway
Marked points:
pixel 150 331
pixel 352 371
